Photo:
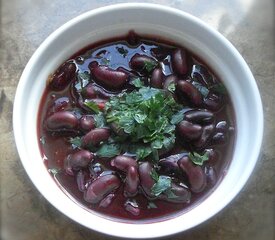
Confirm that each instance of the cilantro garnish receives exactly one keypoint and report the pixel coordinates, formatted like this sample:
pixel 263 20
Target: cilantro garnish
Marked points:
pixel 108 150
pixel 76 142
pixel 137 83
pixel 93 106
pixel 122 51
pixel 163 184
pixel 145 117
pixel 150 65
pixel 198 159
pixel 99 120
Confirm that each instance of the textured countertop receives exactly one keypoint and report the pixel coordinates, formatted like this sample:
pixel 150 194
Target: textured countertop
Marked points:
pixel 248 24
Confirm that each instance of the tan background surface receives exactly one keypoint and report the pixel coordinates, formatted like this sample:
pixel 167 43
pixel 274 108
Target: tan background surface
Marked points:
pixel 248 24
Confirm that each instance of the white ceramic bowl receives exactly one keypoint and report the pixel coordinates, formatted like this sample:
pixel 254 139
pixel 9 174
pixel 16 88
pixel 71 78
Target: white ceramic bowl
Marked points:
pixel 179 27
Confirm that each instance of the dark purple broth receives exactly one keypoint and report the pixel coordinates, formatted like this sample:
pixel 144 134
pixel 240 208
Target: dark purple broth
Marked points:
pixel 56 148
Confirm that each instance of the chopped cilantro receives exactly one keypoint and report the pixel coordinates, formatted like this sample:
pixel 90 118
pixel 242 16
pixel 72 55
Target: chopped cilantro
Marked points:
pixel 177 117
pixel 76 142
pixel 137 83
pixel 93 106
pixel 99 120
pixel 150 65
pixel 151 205
pixel 145 117
pixel 105 61
pixel 108 150
pixel 202 89
pixel 163 183
pixel 122 51
pixel 198 159
pixel 172 87
pixel 154 175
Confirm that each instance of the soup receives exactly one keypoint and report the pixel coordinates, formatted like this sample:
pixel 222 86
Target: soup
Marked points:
pixel 136 128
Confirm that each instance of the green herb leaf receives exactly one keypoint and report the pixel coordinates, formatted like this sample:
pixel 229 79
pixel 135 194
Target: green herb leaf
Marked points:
pixel 99 120
pixel 163 183
pixel 105 61
pixel 150 65
pixel 151 205
pixel 76 142
pixel 203 90
pixel 108 150
pixel 144 115
pixel 93 106
pixel 169 193
pixel 198 159
pixel 154 175
pixel 177 118
pixel 83 76
pixel 219 88
pixel 138 83
pixel 143 152
pixel 122 51
pixel 172 87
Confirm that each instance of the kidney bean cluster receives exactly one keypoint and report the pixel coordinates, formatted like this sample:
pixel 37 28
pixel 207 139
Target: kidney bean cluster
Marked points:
pixel 120 185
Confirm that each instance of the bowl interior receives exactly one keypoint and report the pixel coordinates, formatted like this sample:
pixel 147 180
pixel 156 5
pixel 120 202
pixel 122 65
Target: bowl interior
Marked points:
pixel 169 24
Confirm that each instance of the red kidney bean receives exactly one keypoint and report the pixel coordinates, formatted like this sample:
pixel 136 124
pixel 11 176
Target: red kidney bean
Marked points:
pixel 101 187
pixel 222 126
pixel 123 163
pixel 131 182
pixel 171 79
pixel 179 60
pixel 87 122
pixel 211 176
pixel 199 116
pixel 63 76
pixel 170 164
pixel 189 131
pixel 80 159
pixel 133 39
pixel 60 104
pixel 207 132
pixel 113 79
pixel 62 120
pixel 80 180
pixel 160 52
pixel 142 63
pixel 190 92
pixel 157 78
pixel 128 165
pixel 213 102
pixel 218 138
pixel 195 174
pixel 89 92
pixel 146 180
pixel 95 136
pixel 105 202
pixel 182 194
pixel 213 156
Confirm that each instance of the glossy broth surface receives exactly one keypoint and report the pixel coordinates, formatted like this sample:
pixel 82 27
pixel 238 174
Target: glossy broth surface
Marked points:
pixel 108 166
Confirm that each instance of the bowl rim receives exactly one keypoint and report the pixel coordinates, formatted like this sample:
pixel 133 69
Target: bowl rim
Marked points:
pixel 124 6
